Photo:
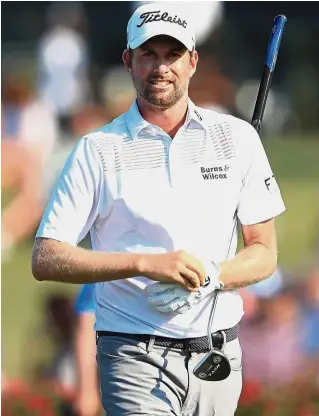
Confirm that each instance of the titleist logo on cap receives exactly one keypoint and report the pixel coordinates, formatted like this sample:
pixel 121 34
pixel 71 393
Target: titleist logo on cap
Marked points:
pixel 155 16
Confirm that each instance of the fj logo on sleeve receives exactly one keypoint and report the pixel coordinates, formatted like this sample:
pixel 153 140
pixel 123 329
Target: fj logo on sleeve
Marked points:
pixel 215 172
pixel 271 184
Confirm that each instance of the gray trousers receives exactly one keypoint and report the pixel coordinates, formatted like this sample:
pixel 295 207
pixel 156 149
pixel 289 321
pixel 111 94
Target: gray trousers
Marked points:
pixel 138 378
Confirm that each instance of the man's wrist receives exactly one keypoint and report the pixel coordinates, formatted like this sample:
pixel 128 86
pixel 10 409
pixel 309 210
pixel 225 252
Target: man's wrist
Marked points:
pixel 220 285
pixel 140 264
pixel 143 265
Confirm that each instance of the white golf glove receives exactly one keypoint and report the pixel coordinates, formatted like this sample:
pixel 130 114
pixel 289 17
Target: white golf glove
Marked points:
pixel 170 297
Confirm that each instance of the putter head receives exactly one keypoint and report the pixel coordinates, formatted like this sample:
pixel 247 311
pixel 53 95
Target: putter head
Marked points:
pixel 214 366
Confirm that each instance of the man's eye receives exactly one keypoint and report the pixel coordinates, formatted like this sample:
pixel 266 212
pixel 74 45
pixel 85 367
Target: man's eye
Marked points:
pixel 147 54
pixel 176 54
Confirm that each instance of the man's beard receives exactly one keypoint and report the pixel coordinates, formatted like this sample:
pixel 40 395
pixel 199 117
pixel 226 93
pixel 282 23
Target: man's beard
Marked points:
pixel 144 89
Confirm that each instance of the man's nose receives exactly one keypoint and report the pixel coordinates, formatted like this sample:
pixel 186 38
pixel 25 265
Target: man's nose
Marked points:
pixel 161 67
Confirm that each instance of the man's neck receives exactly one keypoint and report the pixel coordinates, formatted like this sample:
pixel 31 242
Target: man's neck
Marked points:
pixel 169 120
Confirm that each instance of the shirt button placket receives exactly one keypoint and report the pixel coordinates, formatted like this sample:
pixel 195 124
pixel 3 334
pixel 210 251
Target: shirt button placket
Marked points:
pixel 174 161
pixel 168 142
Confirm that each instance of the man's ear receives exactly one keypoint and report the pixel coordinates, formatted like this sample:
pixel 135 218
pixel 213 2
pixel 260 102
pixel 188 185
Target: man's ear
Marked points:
pixel 194 60
pixel 127 60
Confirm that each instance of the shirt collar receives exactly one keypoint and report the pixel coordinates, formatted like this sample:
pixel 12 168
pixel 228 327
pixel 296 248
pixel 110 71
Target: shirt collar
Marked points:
pixel 195 114
pixel 135 122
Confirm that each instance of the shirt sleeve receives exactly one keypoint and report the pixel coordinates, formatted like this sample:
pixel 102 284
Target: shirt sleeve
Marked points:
pixel 73 206
pixel 260 198
pixel 85 300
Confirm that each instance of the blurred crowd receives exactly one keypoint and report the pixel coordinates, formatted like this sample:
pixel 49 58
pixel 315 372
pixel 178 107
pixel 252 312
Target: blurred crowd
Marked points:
pixel 280 336
pixel 43 113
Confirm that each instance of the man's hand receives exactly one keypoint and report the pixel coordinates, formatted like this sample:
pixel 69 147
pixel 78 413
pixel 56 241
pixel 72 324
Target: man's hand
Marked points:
pixel 177 267
pixel 169 297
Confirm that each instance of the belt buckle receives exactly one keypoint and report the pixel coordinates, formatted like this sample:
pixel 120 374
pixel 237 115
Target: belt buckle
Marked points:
pixel 217 344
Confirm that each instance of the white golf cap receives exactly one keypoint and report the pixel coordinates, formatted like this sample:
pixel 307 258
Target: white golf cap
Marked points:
pixel 155 19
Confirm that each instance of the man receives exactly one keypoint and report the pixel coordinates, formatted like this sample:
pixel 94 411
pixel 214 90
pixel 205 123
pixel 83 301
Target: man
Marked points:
pixel 87 402
pixel 161 189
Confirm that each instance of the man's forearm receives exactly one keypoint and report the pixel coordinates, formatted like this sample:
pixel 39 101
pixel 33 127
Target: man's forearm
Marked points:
pixel 61 262
pixel 251 265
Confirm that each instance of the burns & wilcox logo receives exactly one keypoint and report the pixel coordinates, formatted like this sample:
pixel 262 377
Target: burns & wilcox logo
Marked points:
pixel 215 172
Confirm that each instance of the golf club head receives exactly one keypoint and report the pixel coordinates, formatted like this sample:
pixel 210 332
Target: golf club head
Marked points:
pixel 214 366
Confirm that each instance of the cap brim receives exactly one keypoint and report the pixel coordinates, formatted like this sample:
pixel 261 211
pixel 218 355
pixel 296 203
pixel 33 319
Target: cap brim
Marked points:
pixel 146 36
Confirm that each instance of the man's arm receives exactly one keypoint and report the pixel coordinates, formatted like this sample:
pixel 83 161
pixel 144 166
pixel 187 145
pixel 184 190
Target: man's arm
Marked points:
pixel 259 203
pixel 256 261
pixel 57 261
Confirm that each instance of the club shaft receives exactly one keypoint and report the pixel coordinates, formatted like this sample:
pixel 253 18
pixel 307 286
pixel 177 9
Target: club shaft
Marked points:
pixel 210 320
pixel 261 98
pixel 270 63
pixel 269 67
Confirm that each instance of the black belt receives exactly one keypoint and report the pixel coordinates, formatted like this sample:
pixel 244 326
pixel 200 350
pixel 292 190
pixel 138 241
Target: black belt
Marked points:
pixel 190 344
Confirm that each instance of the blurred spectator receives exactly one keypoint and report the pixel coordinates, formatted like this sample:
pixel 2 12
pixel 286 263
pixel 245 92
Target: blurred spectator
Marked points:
pixel 117 91
pixel 88 118
pixel 4 382
pixel 63 61
pixel 264 289
pixel 210 88
pixel 310 319
pixel 29 133
pixel 279 115
pixel 268 287
pixel 60 320
pixel 87 402
pixel 50 359
pixel 26 119
pixel 273 339
pixel 311 312
pixel 20 175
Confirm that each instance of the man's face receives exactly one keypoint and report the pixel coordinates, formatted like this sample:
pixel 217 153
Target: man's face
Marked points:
pixel 161 70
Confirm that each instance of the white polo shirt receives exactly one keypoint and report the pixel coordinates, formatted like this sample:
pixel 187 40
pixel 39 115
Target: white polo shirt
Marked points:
pixel 136 190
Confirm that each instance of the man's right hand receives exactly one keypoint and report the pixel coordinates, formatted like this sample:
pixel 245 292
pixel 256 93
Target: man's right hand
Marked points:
pixel 177 267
